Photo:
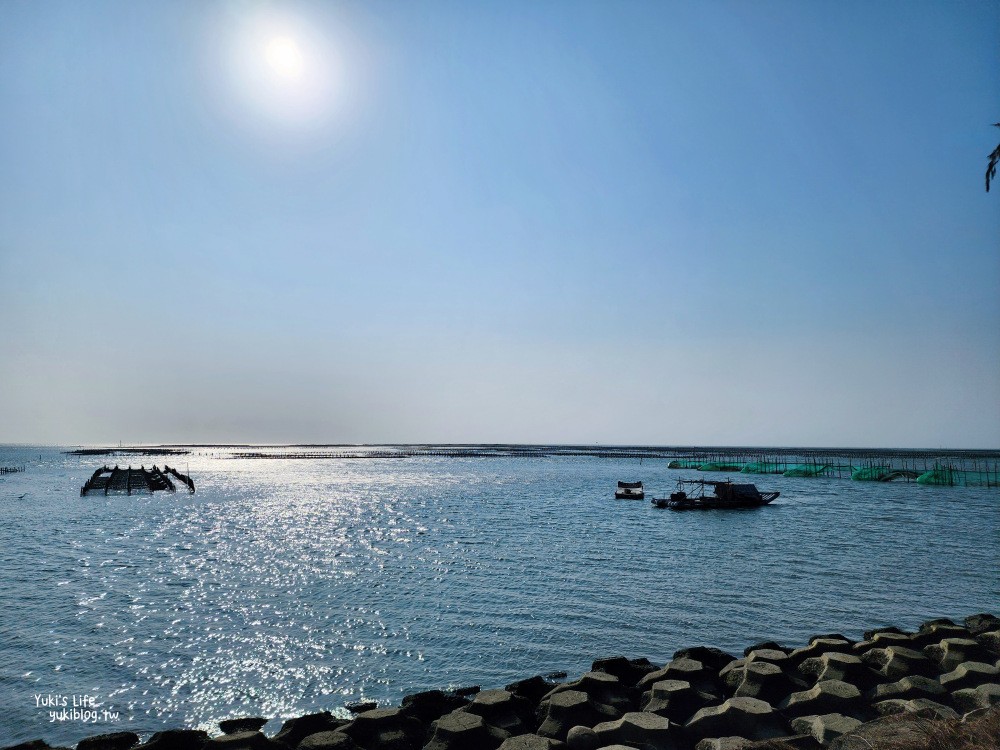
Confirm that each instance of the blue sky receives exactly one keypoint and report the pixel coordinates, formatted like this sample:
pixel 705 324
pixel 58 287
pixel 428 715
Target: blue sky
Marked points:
pixel 630 222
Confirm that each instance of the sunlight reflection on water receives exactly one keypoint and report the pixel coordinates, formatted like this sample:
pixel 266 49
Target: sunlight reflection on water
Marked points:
pixel 286 586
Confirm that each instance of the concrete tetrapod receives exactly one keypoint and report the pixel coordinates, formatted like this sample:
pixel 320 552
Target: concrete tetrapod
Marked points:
pixel 327 741
pixel 641 729
pixel 969 674
pixel 951 652
pixel 974 699
pixel 894 662
pixel 743 717
pixel 244 724
pixel 112 741
pixel 764 681
pixel 909 687
pixel 628 671
pixel 818 647
pixel 252 740
pixel 687 670
pixel 429 705
pixel 385 729
pixel 826 728
pixel 176 739
pixel 843 667
pixel 881 639
pixel 934 631
pixel 531 742
pixel 502 710
pixel 675 700
pixel 827 697
pixel 464 731
pixel 570 708
pixel 293 731
pixel 601 688
pixel 713 658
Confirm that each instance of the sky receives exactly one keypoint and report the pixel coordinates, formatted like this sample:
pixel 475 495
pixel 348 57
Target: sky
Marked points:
pixel 665 223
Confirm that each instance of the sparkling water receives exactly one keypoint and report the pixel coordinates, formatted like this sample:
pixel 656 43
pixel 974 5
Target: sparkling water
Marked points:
pixel 289 586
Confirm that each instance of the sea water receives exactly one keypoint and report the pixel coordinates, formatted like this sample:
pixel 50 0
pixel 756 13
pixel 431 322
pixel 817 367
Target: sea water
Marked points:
pixel 288 586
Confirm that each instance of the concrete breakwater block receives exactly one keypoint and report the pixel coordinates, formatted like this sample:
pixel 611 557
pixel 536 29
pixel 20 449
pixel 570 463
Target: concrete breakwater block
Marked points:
pixel 950 652
pixel 628 671
pixel 503 710
pixel 112 741
pixel 176 739
pixel 744 717
pixel 244 724
pixel 843 667
pixel 990 641
pixel 250 740
pixel 293 731
pixel 969 675
pixel 935 631
pixel 827 697
pixel 570 708
pixel 385 729
pixel 675 700
pixel 532 689
pixel 464 731
pixel 532 742
pixel 895 662
pixel 640 729
pixel 819 646
pixel 770 655
pixel 713 658
pixel 766 646
pixel 907 688
pixel 826 728
pixel 601 688
pixel 430 705
pixel 982 623
pixel 327 741
pixel 882 639
pixel 973 699
pixel 762 680
pixel 582 738
pixel 692 671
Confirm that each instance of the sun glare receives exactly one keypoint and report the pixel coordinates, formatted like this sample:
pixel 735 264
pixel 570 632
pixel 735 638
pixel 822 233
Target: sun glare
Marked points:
pixel 284 70
pixel 283 55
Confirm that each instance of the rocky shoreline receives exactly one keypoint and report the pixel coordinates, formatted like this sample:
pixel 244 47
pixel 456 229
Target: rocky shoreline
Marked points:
pixel 938 687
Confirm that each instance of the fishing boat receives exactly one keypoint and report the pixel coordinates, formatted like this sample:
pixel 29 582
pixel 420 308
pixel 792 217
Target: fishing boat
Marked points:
pixel 629 491
pixel 724 495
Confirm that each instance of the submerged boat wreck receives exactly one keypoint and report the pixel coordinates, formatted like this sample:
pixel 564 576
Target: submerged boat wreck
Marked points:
pixel 724 495
pixel 141 481
pixel 629 491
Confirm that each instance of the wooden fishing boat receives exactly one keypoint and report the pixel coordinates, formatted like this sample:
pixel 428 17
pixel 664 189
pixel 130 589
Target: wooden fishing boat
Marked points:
pixel 724 495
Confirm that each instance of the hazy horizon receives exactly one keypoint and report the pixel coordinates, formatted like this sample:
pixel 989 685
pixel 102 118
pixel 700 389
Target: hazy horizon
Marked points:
pixel 150 446
pixel 561 223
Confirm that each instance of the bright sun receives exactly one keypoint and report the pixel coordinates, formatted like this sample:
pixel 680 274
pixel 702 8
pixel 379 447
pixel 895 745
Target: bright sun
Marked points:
pixel 284 57
pixel 286 71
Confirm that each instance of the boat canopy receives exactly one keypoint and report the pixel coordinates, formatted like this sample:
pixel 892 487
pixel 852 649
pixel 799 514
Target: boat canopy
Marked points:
pixel 726 490
pixel 737 491
pixel 630 485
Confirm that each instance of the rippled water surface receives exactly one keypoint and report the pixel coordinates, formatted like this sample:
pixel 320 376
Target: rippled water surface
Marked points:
pixel 285 586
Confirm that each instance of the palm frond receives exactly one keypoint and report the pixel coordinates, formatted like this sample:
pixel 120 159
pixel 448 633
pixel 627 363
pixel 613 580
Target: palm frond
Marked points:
pixel 991 169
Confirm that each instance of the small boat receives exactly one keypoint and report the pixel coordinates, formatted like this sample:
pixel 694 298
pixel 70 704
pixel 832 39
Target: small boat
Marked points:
pixel 629 491
pixel 724 495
